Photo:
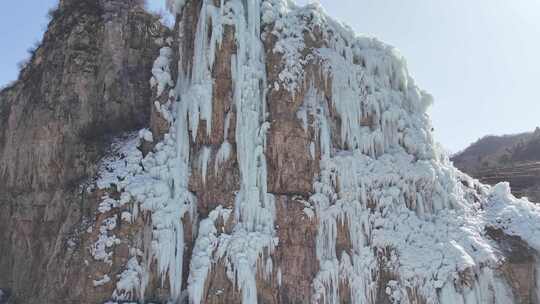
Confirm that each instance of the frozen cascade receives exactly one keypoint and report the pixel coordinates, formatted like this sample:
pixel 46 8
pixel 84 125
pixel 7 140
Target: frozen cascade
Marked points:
pixel 197 91
pixel 399 198
pixel 162 187
pixel 129 281
pixel 253 236
pixel 157 184
pixel 404 206
pixel 205 246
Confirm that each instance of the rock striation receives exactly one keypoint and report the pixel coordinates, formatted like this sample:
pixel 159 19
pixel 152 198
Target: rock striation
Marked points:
pixel 259 152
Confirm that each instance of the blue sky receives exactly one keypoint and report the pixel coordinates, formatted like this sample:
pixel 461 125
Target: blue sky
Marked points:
pixel 22 23
pixel 480 59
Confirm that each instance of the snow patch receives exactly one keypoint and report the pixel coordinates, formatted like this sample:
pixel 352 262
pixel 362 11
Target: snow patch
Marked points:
pixel 106 240
pixel 104 280
pixel 161 73
pixel 146 135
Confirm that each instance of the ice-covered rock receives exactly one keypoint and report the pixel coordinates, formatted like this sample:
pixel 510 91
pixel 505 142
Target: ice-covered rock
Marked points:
pixel 327 185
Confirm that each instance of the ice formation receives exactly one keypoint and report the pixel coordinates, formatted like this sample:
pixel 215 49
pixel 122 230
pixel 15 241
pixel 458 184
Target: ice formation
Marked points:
pixel 224 152
pixel 105 241
pixel 175 6
pixel 157 184
pixel 106 279
pixel 203 253
pixel 407 211
pixel 204 158
pixel 400 199
pixel 161 71
pixel 253 236
pixel 159 181
pixel 130 281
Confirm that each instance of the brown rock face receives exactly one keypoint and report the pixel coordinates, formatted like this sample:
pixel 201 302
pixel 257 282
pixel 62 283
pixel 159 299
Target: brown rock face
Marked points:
pixel 291 166
pixel 520 265
pixel 296 252
pixel 87 82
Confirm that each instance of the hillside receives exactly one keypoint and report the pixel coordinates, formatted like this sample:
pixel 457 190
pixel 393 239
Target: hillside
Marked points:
pixel 512 158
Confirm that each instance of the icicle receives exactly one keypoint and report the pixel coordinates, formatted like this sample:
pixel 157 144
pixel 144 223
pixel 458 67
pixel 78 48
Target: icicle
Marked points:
pixel 224 152
pixel 198 94
pixel 254 207
pixel 315 106
pixel 203 254
pixel 204 158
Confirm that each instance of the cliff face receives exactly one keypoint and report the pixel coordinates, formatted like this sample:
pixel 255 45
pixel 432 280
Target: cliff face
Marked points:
pixel 260 152
pixel 86 83
pixel 511 158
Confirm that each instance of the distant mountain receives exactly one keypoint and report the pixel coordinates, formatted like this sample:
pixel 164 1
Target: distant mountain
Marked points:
pixel 512 158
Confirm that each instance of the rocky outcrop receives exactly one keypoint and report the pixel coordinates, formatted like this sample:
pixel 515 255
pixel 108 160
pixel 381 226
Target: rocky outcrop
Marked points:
pixel 276 158
pixel 86 83
pixel 519 267
pixel 511 158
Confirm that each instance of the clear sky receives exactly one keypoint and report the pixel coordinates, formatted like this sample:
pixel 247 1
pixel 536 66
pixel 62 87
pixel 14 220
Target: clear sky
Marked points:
pixel 479 58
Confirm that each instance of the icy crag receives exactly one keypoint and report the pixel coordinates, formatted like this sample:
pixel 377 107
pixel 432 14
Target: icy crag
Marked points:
pixel 289 160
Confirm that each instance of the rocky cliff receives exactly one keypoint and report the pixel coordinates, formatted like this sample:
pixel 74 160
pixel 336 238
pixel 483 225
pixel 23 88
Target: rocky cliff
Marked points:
pixel 511 158
pixel 85 84
pixel 259 152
